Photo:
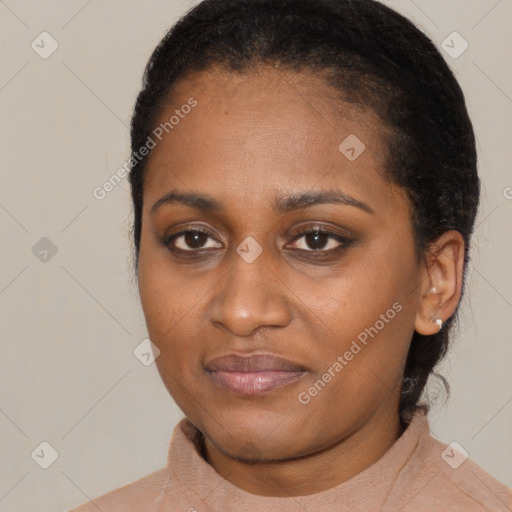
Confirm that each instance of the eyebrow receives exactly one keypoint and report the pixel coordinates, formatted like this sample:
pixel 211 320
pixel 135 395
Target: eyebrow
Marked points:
pixel 282 205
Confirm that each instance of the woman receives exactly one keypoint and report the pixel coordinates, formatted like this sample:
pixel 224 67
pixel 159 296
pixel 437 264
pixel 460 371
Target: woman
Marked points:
pixel 305 188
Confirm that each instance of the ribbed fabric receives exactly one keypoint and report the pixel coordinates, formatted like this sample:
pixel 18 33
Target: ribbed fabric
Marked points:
pixel 412 476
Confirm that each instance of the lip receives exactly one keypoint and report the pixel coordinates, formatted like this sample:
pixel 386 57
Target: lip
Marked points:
pixel 253 374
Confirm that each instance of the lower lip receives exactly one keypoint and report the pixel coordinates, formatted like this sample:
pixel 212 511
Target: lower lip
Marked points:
pixel 254 383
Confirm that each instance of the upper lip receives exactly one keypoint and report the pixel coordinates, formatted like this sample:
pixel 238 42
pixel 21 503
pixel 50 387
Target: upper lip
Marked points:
pixel 252 363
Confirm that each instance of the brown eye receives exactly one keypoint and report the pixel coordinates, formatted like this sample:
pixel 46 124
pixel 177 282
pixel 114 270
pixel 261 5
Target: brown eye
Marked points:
pixel 194 239
pixel 320 240
pixel 190 240
pixel 316 240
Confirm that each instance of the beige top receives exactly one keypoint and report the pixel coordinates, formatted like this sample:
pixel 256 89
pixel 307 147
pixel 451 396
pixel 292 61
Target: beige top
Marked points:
pixel 418 473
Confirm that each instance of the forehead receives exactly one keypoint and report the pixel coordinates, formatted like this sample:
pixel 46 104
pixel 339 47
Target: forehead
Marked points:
pixel 263 131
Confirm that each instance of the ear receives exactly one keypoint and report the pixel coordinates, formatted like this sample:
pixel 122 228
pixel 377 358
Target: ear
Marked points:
pixel 441 285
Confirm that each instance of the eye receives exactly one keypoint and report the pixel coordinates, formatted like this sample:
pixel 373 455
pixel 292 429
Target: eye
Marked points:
pixel 321 240
pixel 314 240
pixel 190 240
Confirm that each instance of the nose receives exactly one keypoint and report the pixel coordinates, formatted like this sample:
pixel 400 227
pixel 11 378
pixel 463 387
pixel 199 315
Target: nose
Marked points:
pixel 250 296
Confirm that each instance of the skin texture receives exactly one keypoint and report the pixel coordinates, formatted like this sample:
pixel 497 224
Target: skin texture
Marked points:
pixel 251 139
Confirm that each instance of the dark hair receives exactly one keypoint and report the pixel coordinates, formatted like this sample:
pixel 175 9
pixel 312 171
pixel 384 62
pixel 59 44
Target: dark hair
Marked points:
pixel 374 57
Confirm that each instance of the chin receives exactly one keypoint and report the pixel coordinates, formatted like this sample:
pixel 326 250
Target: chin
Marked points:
pixel 253 436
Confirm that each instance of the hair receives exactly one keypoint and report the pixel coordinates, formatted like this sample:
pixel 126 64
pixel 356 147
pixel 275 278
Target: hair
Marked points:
pixel 373 57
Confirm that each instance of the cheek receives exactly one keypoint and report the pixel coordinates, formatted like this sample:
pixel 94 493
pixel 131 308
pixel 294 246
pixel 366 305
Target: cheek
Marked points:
pixel 172 306
pixel 353 296
pixel 163 306
pixel 163 298
pixel 365 314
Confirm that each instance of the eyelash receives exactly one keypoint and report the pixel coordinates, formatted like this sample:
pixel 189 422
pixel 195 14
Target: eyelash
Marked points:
pixel 343 240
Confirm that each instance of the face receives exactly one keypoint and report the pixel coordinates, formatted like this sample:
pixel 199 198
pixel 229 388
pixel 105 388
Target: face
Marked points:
pixel 277 271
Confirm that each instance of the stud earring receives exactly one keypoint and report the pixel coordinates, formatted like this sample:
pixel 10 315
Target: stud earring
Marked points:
pixel 438 322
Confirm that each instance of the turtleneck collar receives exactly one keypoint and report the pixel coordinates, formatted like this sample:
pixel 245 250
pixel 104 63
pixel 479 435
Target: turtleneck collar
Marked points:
pixel 367 490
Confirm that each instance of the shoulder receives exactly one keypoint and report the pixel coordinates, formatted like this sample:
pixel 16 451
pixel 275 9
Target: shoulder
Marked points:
pixel 467 481
pixel 146 494
pixel 443 478
pixel 155 491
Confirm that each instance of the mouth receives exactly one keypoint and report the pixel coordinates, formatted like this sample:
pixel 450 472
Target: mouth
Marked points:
pixel 253 374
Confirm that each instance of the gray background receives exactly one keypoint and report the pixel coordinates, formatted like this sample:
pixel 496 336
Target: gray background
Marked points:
pixel 70 323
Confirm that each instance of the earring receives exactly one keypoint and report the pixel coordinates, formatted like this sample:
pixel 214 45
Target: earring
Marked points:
pixel 438 322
